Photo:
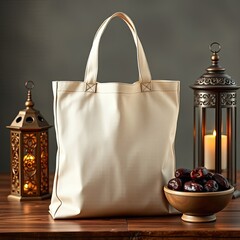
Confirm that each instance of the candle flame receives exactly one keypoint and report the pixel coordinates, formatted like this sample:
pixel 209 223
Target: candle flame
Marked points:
pixel 214 133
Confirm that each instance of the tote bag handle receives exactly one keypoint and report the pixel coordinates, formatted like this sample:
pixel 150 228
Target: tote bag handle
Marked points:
pixel 92 63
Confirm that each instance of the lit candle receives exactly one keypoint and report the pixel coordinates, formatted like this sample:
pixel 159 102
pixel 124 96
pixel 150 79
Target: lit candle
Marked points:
pixel 209 150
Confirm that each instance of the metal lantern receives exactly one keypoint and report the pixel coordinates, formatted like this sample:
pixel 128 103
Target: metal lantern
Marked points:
pixel 29 153
pixel 215 95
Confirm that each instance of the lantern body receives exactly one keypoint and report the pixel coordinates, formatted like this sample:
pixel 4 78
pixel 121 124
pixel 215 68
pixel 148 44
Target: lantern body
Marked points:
pixel 215 95
pixel 29 164
pixel 29 150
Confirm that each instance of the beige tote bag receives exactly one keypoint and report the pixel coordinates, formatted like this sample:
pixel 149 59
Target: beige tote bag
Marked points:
pixel 115 141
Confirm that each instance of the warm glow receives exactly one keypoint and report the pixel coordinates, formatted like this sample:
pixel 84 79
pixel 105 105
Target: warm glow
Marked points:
pixel 29 162
pixel 29 157
pixel 214 133
pixel 30 188
pixel 25 187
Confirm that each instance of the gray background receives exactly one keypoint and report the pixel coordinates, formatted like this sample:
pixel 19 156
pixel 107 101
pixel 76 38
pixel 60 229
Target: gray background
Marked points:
pixel 50 40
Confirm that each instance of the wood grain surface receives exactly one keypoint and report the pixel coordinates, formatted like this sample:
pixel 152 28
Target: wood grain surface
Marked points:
pixel 31 220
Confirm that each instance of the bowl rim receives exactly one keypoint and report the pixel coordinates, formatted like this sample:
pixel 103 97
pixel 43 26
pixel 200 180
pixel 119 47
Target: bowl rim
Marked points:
pixel 199 194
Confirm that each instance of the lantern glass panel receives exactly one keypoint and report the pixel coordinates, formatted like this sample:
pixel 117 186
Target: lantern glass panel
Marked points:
pixel 205 135
pixel 30 164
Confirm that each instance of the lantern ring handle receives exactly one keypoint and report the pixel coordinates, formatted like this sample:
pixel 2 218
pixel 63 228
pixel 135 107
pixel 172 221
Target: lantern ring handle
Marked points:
pixel 215 49
pixel 29 85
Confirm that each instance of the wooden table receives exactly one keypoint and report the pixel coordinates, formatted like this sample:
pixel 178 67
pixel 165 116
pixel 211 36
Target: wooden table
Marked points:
pixel 30 220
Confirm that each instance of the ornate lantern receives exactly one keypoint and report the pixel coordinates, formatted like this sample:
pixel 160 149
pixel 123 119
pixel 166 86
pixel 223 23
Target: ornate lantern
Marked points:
pixel 29 153
pixel 215 95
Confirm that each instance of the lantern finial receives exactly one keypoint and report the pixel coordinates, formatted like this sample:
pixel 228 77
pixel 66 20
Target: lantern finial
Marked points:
pixel 215 48
pixel 29 85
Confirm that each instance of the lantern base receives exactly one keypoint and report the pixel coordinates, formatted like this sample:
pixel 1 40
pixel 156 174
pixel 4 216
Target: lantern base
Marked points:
pixel 21 198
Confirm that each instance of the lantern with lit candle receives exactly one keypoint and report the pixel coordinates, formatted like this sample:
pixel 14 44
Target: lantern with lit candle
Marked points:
pixel 215 95
pixel 29 153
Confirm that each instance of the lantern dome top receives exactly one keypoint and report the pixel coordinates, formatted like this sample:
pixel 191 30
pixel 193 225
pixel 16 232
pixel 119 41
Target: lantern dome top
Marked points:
pixel 29 118
pixel 215 76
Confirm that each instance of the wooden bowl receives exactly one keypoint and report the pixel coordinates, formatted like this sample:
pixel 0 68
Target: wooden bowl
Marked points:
pixel 198 206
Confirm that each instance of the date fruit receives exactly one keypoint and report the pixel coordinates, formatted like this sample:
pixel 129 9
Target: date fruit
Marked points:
pixel 211 186
pixel 209 176
pixel 221 181
pixel 199 173
pixel 183 173
pixel 192 186
pixel 175 184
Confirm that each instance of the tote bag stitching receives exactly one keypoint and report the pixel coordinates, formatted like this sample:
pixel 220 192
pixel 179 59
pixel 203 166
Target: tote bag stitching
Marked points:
pixel 165 86
pixel 57 136
pixel 119 91
pixel 82 91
